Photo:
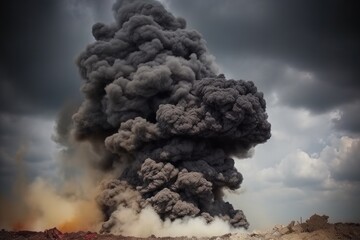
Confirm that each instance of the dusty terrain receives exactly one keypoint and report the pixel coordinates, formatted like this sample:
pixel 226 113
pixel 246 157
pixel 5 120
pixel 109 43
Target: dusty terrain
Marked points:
pixel 316 227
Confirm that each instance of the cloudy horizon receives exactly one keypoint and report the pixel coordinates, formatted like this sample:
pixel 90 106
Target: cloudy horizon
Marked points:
pixel 302 55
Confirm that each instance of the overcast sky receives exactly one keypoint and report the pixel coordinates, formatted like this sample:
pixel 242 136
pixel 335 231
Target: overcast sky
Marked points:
pixel 304 55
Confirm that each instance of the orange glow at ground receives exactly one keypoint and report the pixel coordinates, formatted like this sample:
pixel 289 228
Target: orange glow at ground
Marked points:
pixel 21 225
pixel 18 226
pixel 72 225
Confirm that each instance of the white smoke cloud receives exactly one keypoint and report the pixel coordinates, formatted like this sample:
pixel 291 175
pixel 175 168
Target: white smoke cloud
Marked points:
pixel 147 223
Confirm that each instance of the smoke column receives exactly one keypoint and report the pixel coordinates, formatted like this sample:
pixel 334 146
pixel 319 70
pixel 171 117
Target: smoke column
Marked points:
pixel 156 109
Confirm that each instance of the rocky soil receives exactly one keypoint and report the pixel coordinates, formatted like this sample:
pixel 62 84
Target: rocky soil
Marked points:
pixel 315 228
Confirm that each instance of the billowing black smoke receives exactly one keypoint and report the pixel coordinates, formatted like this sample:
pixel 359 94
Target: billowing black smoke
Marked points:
pixel 155 106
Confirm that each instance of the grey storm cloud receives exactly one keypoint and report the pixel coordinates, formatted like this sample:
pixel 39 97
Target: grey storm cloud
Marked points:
pixel 154 100
pixel 31 59
pixel 318 37
pixel 39 44
pixel 349 118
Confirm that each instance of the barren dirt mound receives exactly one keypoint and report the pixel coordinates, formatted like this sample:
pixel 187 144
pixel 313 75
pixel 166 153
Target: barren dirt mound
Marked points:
pixel 315 228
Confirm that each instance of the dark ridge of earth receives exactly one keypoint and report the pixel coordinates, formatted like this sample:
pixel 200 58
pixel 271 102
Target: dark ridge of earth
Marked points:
pixel 315 228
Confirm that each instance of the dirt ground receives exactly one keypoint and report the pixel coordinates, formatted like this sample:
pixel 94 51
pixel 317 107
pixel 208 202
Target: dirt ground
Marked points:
pixel 315 228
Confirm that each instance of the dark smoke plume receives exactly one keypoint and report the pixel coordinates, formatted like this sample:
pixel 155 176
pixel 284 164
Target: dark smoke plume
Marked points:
pixel 155 106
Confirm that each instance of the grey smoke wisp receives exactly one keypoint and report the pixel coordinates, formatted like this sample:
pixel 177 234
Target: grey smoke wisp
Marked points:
pixel 155 105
